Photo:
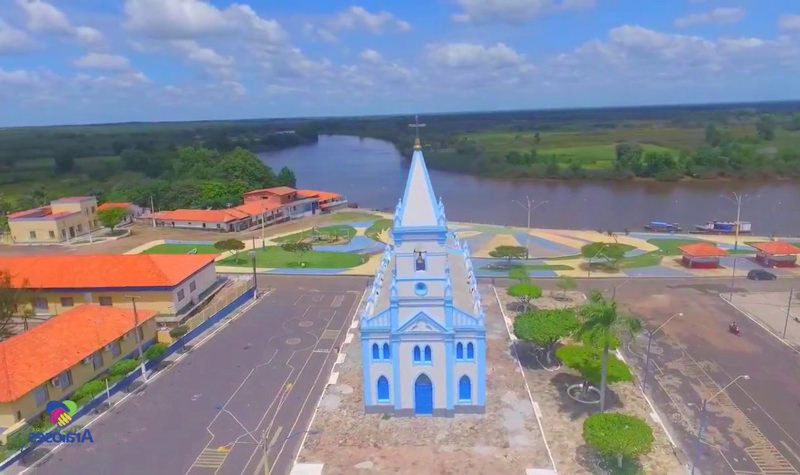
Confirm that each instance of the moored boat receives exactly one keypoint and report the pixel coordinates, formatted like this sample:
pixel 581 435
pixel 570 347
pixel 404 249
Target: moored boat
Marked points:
pixel 723 227
pixel 662 227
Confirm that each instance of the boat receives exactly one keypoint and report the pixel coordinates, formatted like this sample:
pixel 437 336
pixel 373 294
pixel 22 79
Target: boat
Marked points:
pixel 663 227
pixel 723 227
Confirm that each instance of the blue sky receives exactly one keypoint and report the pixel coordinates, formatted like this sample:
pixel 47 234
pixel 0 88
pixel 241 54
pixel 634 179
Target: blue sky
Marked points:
pixel 87 61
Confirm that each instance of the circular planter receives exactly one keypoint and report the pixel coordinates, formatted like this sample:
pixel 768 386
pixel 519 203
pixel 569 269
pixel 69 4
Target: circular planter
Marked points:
pixel 574 392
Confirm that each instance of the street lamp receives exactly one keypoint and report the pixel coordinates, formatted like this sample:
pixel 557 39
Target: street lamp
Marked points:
pixel 701 428
pixel 529 205
pixel 255 280
pixel 136 335
pixel 737 199
pixel 650 335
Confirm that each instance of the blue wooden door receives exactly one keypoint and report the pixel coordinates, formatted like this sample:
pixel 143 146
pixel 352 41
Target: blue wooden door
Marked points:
pixel 423 395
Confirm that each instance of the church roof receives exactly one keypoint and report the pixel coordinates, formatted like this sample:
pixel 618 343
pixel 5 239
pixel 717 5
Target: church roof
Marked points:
pixel 419 206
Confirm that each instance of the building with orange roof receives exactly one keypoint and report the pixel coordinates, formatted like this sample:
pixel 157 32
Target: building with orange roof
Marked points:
pixel 776 253
pixel 701 255
pixel 168 284
pixel 51 360
pixel 63 220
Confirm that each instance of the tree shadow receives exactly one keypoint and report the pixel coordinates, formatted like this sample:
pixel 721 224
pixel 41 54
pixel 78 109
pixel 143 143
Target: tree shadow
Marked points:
pixel 574 409
pixel 35 455
pixel 531 356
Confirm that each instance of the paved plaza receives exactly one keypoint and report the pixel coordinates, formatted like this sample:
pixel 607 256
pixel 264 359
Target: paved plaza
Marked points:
pixel 774 310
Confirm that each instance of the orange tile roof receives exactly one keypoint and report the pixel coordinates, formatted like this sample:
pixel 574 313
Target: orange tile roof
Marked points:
pixel 35 357
pixel 321 195
pixel 702 249
pixel 275 190
pixel 31 213
pixel 103 271
pixel 74 198
pixel 111 205
pixel 255 208
pixel 776 247
pixel 201 215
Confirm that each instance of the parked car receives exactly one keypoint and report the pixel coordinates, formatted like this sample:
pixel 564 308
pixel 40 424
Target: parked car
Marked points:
pixel 760 274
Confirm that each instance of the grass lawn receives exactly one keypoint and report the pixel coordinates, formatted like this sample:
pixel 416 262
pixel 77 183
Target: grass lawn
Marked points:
pixel 276 257
pixel 564 258
pixel 649 259
pixel 182 249
pixel 670 246
pixel 377 227
pixel 600 155
pixel 355 216
pixel 344 233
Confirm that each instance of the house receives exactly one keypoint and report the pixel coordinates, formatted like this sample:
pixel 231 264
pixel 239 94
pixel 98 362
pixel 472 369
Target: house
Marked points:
pixel 289 201
pixel 229 219
pixel 133 210
pixel 776 253
pixel 169 285
pixel 326 201
pixel 63 220
pixel 701 255
pixel 52 360
pixel 423 337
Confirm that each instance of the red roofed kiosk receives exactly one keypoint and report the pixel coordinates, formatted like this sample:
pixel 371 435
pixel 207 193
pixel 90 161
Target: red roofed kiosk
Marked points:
pixel 701 255
pixel 776 253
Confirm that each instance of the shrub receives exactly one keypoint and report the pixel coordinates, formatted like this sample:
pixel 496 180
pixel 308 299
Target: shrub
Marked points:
pixel 88 391
pixel 620 435
pixel 178 332
pixel 589 362
pixel 122 367
pixel 155 351
pixel 18 439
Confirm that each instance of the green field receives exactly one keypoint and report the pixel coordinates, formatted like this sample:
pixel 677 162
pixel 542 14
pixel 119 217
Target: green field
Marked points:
pixel 595 156
pixel 377 227
pixel 182 249
pixel 354 216
pixel 336 234
pixel 274 256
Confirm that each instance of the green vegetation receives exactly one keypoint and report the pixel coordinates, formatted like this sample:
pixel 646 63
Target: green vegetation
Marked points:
pixel 509 252
pixel 182 249
pixel 123 367
pixel 528 267
pixel 378 227
pixel 14 299
pixel 230 245
pixel 588 361
pixel 618 435
pixel 275 257
pixel 155 351
pixel 178 332
pixel 546 327
pixel 88 391
pixel 335 234
pixel 112 217
pixel 524 292
pixel 648 259
pixel 609 253
pixel 566 283
pixel 354 216
pixel 298 249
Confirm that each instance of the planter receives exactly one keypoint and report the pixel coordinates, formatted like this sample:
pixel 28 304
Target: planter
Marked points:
pixel 575 393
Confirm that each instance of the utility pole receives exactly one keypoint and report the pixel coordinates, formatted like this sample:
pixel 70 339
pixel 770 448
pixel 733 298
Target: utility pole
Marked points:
pixel 737 199
pixel 152 211
pixel 529 205
pixel 788 311
pixel 138 340
pixel 649 343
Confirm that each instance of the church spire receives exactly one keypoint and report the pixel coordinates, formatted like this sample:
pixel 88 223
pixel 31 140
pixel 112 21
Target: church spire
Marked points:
pixel 419 205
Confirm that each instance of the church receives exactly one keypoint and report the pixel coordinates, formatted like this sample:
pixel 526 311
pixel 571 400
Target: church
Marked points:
pixel 423 338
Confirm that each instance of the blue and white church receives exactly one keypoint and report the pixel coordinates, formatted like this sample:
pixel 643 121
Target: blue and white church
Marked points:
pixel 423 338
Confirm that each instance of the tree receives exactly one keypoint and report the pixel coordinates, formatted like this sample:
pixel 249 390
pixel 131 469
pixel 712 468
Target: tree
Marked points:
pixel 566 283
pixel 15 300
pixel 111 217
pixel 286 177
pixel 537 138
pixel 65 160
pixel 520 274
pixel 298 248
pixel 545 328
pixel 230 245
pixel 612 252
pixel 589 362
pixel 765 126
pixel 509 252
pixel 602 319
pixel 618 435
pixel 713 137
pixel 525 292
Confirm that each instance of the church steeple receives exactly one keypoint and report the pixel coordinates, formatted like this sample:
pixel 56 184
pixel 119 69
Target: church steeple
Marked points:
pixel 419 206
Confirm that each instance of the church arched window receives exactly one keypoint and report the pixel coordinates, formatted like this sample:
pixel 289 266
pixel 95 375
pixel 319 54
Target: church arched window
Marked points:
pixel 460 351
pixel 376 354
pixel 387 353
pixel 383 389
pixel 464 389
pixel 470 351
pixel 419 262
pixel 417 354
pixel 428 354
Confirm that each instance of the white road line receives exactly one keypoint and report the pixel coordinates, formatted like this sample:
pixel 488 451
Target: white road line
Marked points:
pixel 534 404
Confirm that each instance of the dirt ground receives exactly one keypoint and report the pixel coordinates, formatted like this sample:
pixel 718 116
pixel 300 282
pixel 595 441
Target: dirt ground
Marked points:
pixel 505 440
pixel 563 418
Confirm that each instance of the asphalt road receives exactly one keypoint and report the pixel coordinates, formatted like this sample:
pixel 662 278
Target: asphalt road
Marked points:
pixel 211 412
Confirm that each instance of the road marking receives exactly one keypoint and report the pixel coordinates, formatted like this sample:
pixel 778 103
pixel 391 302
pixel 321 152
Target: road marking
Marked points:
pixel 210 458
pixel 337 301
pixel 794 454
pixel 275 437
pixel 334 378
pixel 757 322
pixel 330 334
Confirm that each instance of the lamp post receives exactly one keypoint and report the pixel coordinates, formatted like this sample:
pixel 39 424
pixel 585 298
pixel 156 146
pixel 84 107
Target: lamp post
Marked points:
pixel 650 335
pixel 737 199
pixel 788 312
pixel 255 279
pixel 702 427
pixel 529 205
pixel 136 335
pixel 589 264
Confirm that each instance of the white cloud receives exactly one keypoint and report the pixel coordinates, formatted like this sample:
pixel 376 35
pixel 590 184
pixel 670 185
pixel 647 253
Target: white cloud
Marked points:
pixel 13 40
pixel 18 77
pixel 103 61
pixel 215 63
pixel 722 16
pixel 370 56
pixel 789 23
pixel 359 18
pixel 45 18
pixel 321 34
pixel 513 11
pixel 472 55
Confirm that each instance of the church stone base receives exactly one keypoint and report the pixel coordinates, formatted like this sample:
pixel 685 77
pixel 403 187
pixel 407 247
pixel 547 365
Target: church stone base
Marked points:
pixel 436 412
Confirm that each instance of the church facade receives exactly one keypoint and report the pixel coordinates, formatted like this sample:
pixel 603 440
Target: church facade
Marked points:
pixel 423 338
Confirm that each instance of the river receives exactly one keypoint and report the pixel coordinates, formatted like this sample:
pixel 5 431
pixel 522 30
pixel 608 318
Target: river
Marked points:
pixel 372 173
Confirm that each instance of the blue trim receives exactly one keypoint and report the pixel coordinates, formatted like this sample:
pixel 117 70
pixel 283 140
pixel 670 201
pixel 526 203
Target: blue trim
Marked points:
pixel 386 353
pixel 421 316
pixel 426 278
pixel 470 351
pixel 367 383
pixel 417 354
pixel 464 386
pixel 433 393
pixel 427 355
pixel 459 351
pixel 396 374
pixel 376 352
pixel 480 384
pixel 449 373
pixel 421 289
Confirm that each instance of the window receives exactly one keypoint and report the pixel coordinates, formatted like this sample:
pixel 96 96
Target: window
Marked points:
pixel 40 305
pixel 428 355
pixel 52 234
pixel 32 234
pixel 376 355
pixel 65 379
pixel 106 301
pixel 80 228
pixel 67 301
pixel 192 286
pixel 387 353
pixel 420 289
pixel 116 349
pixel 460 351
pixel 40 394
pixel 464 389
pixel 181 295
pixel 97 360
pixel 470 351
pixel 63 234
pixel 383 389
pixel 417 354
pixel 419 264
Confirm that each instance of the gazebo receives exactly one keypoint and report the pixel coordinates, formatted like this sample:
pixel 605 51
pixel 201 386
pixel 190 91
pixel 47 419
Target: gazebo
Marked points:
pixel 776 253
pixel 701 255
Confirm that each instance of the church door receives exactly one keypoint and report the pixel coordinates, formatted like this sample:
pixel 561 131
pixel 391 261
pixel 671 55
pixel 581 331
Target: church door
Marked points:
pixel 423 395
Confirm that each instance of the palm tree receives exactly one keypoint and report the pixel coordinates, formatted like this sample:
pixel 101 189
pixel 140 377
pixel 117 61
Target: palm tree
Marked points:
pixel 603 324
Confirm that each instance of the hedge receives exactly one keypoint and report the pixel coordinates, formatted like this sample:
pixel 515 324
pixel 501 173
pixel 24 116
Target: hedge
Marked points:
pixel 155 351
pixel 122 367
pixel 178 332
pixel 88 391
